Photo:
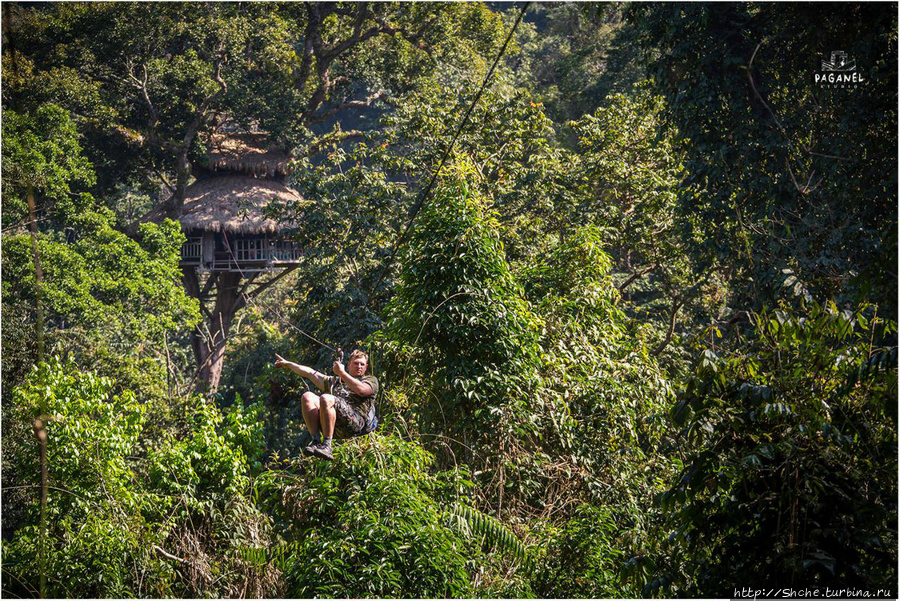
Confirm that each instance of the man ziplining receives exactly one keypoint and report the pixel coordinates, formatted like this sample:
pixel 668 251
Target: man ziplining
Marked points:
pixel 346 407
pixel 349 404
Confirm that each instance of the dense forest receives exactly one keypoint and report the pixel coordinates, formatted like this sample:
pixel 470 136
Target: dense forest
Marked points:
pixel 626 274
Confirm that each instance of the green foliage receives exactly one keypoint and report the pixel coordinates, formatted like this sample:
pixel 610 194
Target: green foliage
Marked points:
pixel 215 460
pixel 629 171
pixel 528 336
pixel 98 534
pixel 115 509
pixel 492 532
pixel 783 173
pixel 107 297
pixel 520 168
pixel 572 283
pixel 459 306
pixel 41 153
pixel 604 395
pixel 372 524
pixel 790 471
pixel 578 54
pixel 105 278
pixel 104 295
pixel 149 79
pixel 363 193
pixel 602 405
pixel 632 171
pixel 583 558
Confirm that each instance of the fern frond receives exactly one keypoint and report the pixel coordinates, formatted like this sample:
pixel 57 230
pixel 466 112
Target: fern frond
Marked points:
pixel 494 535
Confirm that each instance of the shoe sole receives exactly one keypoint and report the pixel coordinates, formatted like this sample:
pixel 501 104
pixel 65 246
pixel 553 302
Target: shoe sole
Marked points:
pixel 320 454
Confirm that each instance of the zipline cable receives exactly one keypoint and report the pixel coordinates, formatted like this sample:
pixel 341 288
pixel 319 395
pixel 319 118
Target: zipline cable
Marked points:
pixel 424 195
pixel 249 300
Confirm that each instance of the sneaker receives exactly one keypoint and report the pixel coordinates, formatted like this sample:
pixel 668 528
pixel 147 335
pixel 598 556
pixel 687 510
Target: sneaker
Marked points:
pixel 310 450
pixel 324 451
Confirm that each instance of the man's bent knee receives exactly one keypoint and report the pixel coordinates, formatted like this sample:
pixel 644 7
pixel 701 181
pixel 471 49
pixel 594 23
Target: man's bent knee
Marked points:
pixel 327 401
pixel 310 399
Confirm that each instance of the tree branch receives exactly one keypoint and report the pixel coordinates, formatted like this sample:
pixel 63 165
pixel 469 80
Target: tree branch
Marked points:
pixel 210 281
pixel 141 84
pixel 348 104
pixel 168 555
pixel 249 281
pixel 756 92
pixel 245 296
pixel 676 304
pixel 356 37
pixel 182 164
pixel 311 33
pixel 634 276
pixel 162 177
pixel 324 56
pixel 332 138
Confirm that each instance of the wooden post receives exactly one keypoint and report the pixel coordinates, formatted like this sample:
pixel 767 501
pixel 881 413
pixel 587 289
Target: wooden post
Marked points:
pixel 208 250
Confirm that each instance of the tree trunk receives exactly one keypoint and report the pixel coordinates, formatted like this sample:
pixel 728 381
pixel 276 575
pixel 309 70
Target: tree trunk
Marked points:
pixel 227 304
pixel 192 287
pixel 38 277
pixel 173 206
pixel 209 339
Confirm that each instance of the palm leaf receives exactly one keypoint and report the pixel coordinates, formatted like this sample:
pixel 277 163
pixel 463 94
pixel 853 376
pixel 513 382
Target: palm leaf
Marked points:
pixel 493 533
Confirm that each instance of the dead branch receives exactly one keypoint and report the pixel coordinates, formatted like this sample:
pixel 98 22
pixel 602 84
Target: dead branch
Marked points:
pixel 168 555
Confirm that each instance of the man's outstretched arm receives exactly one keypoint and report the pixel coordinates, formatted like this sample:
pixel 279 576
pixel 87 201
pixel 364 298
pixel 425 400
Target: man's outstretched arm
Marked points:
pixel 316 377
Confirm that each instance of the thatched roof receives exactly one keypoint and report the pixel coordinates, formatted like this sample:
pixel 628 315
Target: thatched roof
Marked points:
pixel 231 203
pixel 246 152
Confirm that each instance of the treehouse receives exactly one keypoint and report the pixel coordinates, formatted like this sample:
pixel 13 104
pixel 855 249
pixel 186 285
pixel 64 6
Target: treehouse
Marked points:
pixel 226 227
pixel 231 240
pixel 223 215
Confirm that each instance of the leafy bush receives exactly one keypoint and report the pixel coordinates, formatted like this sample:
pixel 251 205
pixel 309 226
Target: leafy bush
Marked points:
pixel 375 523
pixel 791 465
pixel 124 522
pixel 582 558
pixel 603 402
pixel 465 323
pixel 98 539
pixel 102 292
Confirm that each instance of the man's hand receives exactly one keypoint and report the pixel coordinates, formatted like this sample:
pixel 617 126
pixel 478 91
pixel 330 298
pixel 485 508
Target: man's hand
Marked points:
pixel 338 367
pixel 281 361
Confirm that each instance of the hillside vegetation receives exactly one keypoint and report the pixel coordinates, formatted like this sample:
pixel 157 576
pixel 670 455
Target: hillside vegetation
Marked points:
pixel 637 337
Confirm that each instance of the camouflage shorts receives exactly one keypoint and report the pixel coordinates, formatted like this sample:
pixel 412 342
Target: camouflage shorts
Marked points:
pixel 349 422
